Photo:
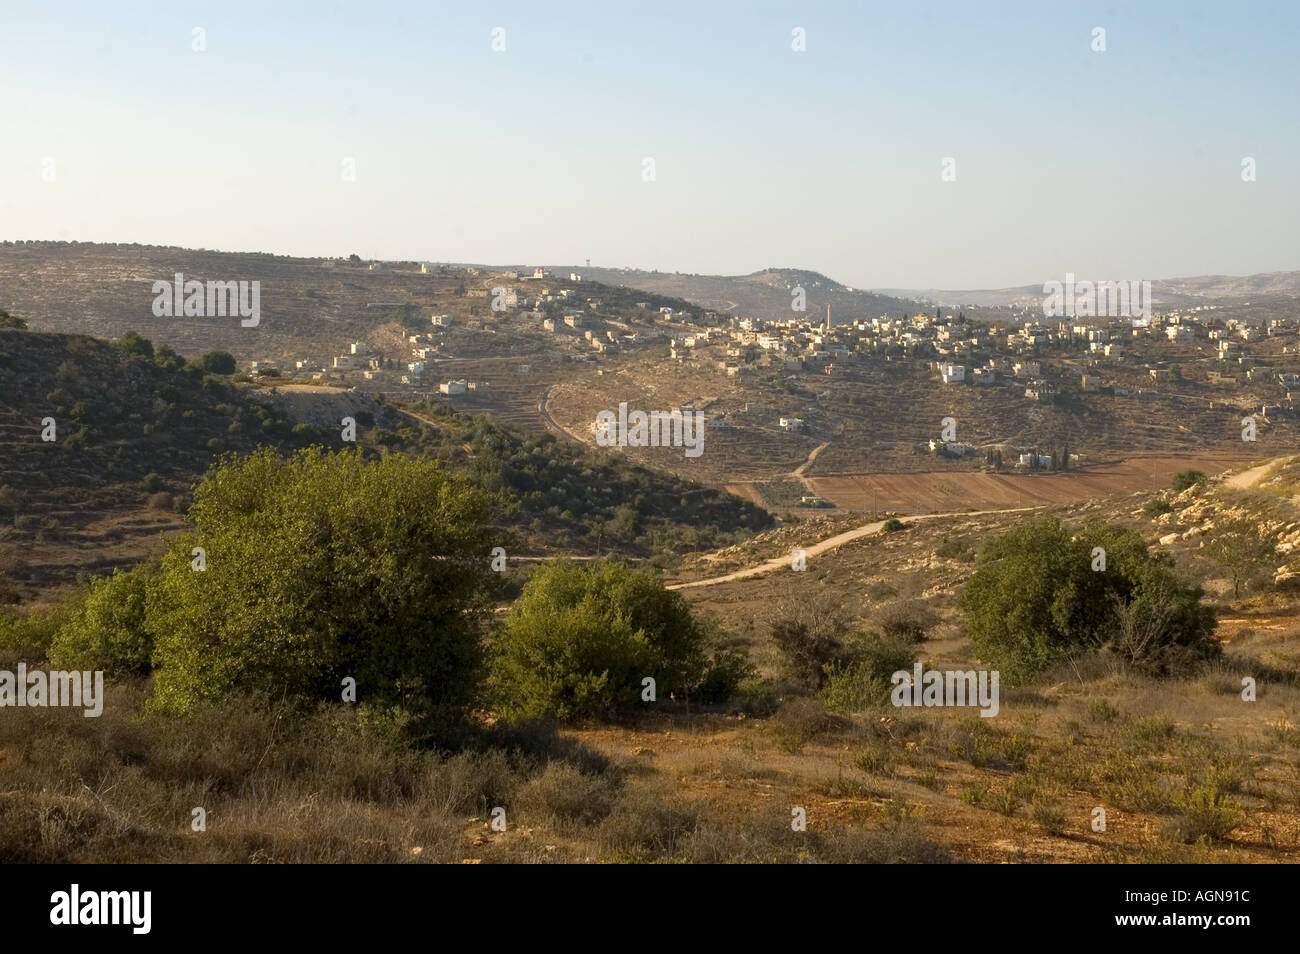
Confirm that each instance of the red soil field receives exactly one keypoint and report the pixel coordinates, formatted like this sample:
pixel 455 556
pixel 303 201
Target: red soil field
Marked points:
pixel 941 492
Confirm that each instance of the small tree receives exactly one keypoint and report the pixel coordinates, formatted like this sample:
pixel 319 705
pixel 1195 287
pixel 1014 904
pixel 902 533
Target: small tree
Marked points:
pixel 581 639
pixel 1243 548
pixel 132 343
pixel 218 362
pixel 809 637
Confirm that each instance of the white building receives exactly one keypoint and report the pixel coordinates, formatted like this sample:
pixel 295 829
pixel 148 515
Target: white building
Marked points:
pixel 453 387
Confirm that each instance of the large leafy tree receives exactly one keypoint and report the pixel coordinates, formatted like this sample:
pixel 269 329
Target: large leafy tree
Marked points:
pixel 323 566
pixel 1039 593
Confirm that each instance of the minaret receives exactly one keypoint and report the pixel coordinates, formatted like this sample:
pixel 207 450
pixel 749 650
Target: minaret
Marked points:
pixel 828 317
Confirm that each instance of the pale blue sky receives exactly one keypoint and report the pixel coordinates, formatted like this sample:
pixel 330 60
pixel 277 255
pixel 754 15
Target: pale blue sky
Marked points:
pixel 1122 164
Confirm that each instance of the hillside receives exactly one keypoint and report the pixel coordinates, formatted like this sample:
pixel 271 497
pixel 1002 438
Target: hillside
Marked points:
pixel 132 434
pixel 310 308
pixel 765 294
pixel 135 430
pixel 1279 289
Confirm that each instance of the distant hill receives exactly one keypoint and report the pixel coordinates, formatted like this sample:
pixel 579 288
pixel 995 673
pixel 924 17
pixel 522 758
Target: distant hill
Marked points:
pixel 1165 293
pixel 311 308
pixel 766 294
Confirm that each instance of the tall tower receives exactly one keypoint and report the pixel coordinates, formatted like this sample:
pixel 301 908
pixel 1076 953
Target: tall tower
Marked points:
pixel 828 317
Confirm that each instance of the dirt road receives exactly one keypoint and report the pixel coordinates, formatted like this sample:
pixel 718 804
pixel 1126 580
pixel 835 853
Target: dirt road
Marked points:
pixel 830 543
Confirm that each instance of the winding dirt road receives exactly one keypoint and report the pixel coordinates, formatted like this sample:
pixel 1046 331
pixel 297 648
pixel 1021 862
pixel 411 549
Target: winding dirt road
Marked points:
pixel 830 543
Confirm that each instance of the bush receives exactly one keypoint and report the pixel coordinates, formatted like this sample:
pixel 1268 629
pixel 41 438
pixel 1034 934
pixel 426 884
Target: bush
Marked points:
pixel 893 524
pixel 1035 599
pixel 955 549
pixel 1186 478
pixel 809 639
pixel 862 681
pixel 108 632
pixel 580 639
pixel 910 621
pixel 35 632
pixel 133 344
pixel 723 677
pixel 151 483
pixel 218 362
pixel 1156 506
pixel 162 501
pixel 325 566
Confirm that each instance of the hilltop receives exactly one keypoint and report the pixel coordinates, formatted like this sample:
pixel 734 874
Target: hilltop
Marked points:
pixel 1271 293
pixel 765 294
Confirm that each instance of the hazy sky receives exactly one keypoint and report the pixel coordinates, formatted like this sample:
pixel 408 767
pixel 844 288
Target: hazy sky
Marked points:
pixel 1121 164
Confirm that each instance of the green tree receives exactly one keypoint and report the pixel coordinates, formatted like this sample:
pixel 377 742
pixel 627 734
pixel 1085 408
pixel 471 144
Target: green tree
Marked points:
pixel 218 362
pixel 132 343
pixel 1186 478
pixel 581 638
pixel 321 567
pixel 108 631
pixel 1035 596
pixel 11 321
pixel 1243 548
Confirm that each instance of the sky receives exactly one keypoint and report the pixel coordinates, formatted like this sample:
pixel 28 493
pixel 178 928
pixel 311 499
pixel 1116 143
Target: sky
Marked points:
pixel 395 130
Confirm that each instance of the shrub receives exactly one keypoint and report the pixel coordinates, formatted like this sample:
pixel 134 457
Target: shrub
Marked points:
pixel 320 567
pixel 910 621
pixel 133 344
pixel 893 524
pixel 799 721
pixel 1035 598
pixel 580 639
pixel 862 681
pixel 1156 506
pixel 955 549
pixel 35 632
pixel 162 501
pixel 108 632
pixel 10 321
pixel 1186 478
pixel 810 638
pixel 151 483
pixel 1204 812
pixel 726 671
pixel 218 362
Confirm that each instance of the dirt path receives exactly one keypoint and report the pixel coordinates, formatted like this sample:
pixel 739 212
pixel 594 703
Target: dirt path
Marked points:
pixel 802 469
pixel 550 422
pixel 1255 475
pixel 830 543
